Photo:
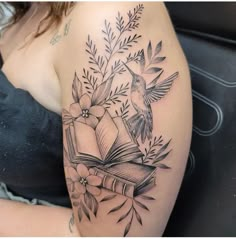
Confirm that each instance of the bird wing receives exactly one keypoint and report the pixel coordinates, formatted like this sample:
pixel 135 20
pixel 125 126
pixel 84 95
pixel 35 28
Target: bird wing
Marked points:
pixel 154 81
pixel 158 91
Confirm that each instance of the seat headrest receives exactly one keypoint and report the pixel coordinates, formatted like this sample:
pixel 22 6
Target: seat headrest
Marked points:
pixel 213 18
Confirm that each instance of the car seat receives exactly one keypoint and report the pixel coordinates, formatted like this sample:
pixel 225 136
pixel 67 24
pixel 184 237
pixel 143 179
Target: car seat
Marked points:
pixel 206 204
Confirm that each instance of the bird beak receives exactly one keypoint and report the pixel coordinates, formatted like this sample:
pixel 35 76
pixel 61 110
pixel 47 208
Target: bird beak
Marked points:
pixel 131 72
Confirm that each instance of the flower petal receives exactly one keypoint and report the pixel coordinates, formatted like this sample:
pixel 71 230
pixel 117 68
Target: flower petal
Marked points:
pixel 92 121
pixel 94 180
pixel 93 190
pixel 80 188
pixel 67 120
pixel 75 109
pixel 70 185
pixel 82 171
pixel 81 120
pixel 69 180
pixel 72 173
pixel 85 102
pixel 97 111
pixel 92 171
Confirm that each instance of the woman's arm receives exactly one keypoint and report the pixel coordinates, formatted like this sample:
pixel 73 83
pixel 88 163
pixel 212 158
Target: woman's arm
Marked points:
pixel 19 219
pixel 126 119
pixel 157 162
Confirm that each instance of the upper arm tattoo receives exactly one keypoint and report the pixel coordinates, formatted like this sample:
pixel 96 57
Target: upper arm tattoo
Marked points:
pixel 123 154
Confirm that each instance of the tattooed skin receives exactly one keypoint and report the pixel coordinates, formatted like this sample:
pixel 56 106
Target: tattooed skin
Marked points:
pixel 124 155
pixel 71 223
pixel 57 37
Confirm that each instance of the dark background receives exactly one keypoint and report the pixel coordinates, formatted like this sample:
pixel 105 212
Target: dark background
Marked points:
pixel 206 205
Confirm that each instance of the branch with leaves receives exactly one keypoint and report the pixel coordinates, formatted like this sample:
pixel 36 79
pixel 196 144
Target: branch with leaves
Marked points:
pixel 124 110
pixel 133 18
pixel 127 42
pixel 153 59
pixel 132 212
pixel 115 44
pixel 114 96
pixel 86 206
pixel 90 81
pixel 94 58
pixel 118 67
pixel 136 57
pixel 109 37
pixel 156 152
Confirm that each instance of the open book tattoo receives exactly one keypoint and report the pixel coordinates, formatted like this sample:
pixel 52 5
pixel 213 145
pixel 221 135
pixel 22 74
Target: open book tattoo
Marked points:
pixel 123 155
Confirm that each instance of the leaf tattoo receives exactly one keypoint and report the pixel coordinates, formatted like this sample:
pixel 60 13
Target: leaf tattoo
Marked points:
pixel 149 51
pixel 88 200
pixel 120 22
pixel 109 37
pixel 124 110
pixel 139 219
pixel 108 197
pixel 80 215
pixel 85 210
pixel 147 197
pixel 156 152
pixel 143 206
pixel 90 81
pixel 133 211
pixel 124 216
pixel 76 88
pixel 117 207
pixel 158 48
pixel 114 96
pixel 153 59
pixel 95 206
pixel 127 228
pixel 127 42
pixel 101 92
pixel 94 58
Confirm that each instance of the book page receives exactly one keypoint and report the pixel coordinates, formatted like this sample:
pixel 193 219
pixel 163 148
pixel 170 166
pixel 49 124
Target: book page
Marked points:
pixel 106 133
pixel 85 139
pixel 124 149
pixel 123 136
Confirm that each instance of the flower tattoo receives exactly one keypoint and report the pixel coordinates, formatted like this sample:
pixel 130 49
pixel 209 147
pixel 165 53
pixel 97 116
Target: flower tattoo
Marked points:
pixel 83 112
pixel 81 180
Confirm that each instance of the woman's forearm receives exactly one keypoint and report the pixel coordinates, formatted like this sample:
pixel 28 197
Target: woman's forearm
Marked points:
pixel 19 219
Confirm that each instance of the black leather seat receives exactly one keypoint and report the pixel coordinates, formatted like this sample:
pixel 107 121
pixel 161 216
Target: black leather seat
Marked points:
pixel 206 205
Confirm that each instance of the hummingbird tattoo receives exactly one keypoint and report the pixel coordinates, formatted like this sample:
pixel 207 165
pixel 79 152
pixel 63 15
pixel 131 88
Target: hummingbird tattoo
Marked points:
pixel 142 95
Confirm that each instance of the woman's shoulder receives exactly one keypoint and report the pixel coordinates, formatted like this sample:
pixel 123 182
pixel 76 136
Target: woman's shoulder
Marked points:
pixel 90 17
pixel 97 19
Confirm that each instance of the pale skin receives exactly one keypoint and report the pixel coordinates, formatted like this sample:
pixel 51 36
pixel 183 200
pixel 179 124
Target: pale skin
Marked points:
pixel 172 116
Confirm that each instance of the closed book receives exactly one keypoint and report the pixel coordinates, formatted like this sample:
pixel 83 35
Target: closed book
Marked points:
pixel 128 178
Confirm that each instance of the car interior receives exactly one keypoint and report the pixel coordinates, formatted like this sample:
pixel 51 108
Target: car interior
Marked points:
pixel 206 201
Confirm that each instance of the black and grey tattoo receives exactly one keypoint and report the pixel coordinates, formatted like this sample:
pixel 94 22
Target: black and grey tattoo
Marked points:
pixel 123 155
pixel 58 36
pixel 71 223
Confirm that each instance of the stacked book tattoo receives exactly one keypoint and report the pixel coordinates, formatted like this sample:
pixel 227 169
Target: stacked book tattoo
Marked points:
pixel 114 156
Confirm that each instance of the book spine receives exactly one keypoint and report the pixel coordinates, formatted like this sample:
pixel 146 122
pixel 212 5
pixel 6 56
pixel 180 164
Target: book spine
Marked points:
pixel 114 184
pixel 70 146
